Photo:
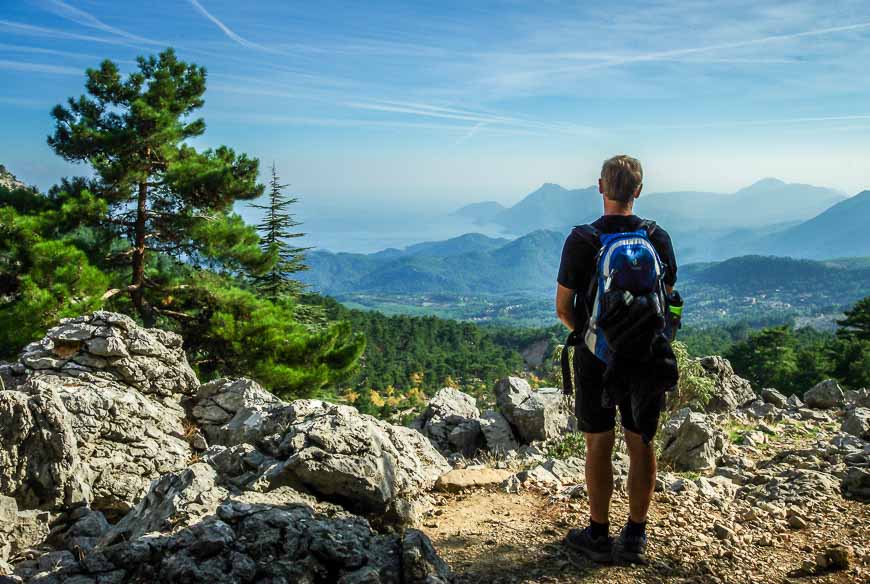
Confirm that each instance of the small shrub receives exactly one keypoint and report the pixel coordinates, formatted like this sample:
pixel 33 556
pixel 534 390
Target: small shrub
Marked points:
pixel 695 387
pixel 570 445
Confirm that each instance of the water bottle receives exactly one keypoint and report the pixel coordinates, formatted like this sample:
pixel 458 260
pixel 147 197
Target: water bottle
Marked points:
pixel 675 313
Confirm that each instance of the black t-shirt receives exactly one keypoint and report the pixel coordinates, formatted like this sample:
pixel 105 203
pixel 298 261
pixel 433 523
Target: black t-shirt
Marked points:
pixel 577 269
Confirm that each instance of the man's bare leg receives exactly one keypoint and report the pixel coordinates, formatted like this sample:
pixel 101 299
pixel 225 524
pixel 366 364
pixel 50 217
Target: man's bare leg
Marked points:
pixel 641 476
pixel 599 474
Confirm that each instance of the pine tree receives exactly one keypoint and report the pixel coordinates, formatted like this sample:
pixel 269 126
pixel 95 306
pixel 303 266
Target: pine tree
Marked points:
pixel 275 230
pixel 164 196
pixel 856 323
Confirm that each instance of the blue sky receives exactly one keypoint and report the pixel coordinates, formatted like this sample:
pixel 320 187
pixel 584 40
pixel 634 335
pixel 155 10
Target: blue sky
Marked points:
pixel 430 105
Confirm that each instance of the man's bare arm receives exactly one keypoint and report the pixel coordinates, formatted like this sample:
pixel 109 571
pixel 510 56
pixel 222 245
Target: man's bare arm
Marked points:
pixel 565 306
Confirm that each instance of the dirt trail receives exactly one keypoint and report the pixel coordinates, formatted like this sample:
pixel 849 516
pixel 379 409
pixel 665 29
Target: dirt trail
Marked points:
pixel 493 536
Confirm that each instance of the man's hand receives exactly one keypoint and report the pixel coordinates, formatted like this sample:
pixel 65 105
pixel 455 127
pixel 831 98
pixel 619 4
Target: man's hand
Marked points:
pixel 565 306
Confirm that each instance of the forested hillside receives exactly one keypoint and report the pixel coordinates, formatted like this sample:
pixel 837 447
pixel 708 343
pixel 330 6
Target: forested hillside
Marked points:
pixel 408 358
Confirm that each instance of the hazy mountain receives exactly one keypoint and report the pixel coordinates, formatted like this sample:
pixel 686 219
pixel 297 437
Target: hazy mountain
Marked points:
pixel 482 212
pixel 842 230
pixel 528 263
pixel 755 274
pixel 768 201
pixel 468 243
pixel 551 207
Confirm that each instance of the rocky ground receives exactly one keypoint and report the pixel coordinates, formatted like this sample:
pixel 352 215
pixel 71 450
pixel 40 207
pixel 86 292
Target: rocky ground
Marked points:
pixel 118 466
pixel 488 534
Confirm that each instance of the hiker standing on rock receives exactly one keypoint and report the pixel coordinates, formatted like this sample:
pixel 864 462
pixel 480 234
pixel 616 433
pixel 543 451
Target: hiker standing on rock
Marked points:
pixel 615 295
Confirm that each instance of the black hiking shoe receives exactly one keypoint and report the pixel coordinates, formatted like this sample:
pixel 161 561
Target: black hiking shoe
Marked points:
pixel 629 549
pixel 598 549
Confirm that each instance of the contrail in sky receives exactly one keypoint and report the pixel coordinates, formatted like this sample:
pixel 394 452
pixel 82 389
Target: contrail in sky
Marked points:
pixel 662 55
pixel 227 30
pixel 471 132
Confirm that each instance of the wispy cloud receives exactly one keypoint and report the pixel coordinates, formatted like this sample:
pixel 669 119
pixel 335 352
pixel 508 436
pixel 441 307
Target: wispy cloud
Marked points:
pixel 38 68
pixel 279 119
pixel 766 122
pixel 20 28
pixel 435 111
pixel 83 18
pixel 673 53
pixel 55 52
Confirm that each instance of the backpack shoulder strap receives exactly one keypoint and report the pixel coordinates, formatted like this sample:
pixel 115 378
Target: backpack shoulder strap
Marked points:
pixel 590 233
pixel 574 339
pixel 649 226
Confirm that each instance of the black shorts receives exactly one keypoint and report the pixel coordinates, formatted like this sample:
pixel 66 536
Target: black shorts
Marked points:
pixel 592 417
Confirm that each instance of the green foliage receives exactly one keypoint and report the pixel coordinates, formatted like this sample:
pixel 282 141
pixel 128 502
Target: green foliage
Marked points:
pixel 275 230
pixel 40 281
pixel 849 362
pixel 736 431
pixel 163 196
pixel 153 235
pixel 856 324
pixel 572 444
pixel 768 359
pixel 695 387
pixel 792 360
pixel 230 331
pixel 407 357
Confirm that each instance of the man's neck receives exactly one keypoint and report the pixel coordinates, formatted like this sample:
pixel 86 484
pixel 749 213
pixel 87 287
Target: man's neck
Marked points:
pixel 616 208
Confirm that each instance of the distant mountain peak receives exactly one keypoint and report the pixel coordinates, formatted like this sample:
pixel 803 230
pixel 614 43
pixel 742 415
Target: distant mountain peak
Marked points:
pixel 768 182
pixel 549 187
pixel 483 211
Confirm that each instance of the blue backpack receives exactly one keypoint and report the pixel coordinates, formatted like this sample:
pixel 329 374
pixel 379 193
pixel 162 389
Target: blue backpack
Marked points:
pixel 627 296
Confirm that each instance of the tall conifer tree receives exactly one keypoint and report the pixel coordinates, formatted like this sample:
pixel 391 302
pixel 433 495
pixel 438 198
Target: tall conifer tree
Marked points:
pixel 276 229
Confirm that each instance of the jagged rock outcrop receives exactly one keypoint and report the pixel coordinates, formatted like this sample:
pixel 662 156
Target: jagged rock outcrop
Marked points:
pixel 690 442
pixel 331 451
pixel 534 414
pixel 243 543
pixel 857 398
pixel 450 422
pixel 825 395
pixel 498 434
pixel 730 391
pixel 9 180
pixel 857 423
pixel 118 388
pixel 40 466
pixel 19 530
pixel 101 418
pixel 237 411
pixel 361 462
pixel 774 398
pixel 856 483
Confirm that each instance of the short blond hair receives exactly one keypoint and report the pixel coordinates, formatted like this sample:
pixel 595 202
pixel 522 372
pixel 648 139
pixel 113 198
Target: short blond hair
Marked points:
pixel 621 175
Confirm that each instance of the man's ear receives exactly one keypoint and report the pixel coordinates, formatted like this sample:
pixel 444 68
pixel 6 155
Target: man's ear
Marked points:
pixel 600 186
pixel 639 189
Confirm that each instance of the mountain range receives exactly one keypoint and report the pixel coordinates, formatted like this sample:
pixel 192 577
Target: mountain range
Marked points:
pixel 477 264
pixel 767 202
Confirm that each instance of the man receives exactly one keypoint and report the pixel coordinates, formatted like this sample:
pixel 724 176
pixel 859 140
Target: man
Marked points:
pixel 620 184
